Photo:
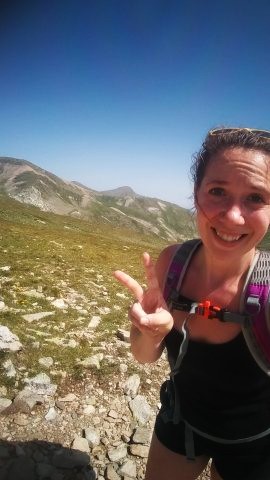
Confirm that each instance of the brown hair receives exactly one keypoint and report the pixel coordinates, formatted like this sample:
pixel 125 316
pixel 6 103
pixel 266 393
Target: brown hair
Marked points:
pixel 216 142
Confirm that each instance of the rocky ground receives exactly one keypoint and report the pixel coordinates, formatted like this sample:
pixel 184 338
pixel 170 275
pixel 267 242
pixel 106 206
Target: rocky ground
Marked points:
pixel 97 428
pixel 74 404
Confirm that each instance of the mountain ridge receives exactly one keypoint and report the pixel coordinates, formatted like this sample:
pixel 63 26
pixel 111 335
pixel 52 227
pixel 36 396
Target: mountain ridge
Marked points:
pixel 31 184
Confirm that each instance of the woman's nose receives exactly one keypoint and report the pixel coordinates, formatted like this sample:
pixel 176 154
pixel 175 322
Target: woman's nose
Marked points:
pixel 234 213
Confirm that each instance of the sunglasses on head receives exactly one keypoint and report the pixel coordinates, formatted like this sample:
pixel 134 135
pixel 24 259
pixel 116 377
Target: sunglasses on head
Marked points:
pixel 259 133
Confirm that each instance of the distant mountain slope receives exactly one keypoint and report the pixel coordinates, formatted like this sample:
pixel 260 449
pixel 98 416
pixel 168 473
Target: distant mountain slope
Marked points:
pixel 30 184
pixel 120 192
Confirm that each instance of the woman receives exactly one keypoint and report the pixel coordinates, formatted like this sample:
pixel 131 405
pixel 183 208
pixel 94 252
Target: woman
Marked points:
pixel 222 390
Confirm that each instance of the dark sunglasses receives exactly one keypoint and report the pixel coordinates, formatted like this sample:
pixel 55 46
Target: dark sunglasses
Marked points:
pixel 259 133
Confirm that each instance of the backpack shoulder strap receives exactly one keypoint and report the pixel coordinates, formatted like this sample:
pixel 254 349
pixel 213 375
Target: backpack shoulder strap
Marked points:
pixel 177 269
pixel 256 302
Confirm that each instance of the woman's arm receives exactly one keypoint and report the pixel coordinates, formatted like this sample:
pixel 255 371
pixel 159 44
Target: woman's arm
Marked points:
pixel 150 319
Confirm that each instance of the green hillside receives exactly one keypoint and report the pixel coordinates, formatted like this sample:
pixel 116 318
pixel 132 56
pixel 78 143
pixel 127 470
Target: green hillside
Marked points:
pixel 51 257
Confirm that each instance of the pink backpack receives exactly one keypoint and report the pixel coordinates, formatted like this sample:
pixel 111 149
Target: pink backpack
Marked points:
pixel 254 315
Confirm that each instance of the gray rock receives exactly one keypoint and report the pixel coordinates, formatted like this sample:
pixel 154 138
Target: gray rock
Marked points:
pixel 70 397
pixel 32 317
pixel 139 450
pixel 2 305
pixel 9 342
pixel 92 436
pixel 91 362
pixel 123 335
pixel 142 435
pixel 25 401
pixel 51 415
pixel 95 321
pixel 4 403
pixel 81 444
pixel 46 362
pixel 111 473
pixel 116 454
pixel 131 386
pixel 3 391
pixel 59 303
pixel 128 469
pixel 41 385
pixel 9 368
pixel 141 409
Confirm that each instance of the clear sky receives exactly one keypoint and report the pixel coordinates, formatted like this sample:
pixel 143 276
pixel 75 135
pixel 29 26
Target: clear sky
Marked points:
pixel 121 92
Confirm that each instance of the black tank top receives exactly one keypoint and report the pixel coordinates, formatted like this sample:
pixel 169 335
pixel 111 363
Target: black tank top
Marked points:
pixel 222 390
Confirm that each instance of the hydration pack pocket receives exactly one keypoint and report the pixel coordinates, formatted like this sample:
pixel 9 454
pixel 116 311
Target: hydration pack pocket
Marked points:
pixel 170 408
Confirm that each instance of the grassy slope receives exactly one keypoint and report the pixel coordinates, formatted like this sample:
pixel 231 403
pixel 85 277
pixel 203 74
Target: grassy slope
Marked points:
pixel 63 255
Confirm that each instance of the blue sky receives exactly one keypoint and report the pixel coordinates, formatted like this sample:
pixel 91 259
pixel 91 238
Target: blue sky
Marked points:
pixel 112 93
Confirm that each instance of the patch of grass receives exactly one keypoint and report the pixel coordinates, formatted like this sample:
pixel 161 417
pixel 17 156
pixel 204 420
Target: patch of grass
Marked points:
pixel 58 257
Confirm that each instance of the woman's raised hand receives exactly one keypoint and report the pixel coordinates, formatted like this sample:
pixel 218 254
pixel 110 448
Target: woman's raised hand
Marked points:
pixel 149 313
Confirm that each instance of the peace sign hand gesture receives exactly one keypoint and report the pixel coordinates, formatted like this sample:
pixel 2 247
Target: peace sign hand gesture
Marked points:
pixel 149 314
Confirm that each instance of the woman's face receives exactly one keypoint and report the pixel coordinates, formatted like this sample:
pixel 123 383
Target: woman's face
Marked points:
pixel 233 201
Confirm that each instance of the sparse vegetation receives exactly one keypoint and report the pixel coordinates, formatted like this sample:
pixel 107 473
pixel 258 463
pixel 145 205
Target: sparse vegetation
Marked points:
pixel 45 257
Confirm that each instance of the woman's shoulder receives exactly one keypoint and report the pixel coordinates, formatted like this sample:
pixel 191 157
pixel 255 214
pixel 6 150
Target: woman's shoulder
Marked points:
pixel 164 260
pixel 168 253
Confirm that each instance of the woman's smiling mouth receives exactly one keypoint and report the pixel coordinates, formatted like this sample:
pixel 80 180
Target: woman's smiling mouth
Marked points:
pixel 227 237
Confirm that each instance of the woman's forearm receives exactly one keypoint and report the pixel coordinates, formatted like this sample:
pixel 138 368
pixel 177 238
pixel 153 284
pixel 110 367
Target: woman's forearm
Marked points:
pixel 145 348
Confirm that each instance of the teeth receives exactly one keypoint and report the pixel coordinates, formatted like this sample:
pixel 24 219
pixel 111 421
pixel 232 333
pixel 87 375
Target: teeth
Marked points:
pixel 228 238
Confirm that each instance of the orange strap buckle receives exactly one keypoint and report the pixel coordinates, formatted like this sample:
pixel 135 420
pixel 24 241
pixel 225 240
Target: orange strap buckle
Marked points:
pixel 207 310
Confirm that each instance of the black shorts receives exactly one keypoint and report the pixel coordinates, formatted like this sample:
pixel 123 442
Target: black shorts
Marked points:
pixel 245 461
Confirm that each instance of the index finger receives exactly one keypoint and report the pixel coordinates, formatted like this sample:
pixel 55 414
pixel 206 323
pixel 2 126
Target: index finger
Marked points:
pixel 150 271
pixel 130 283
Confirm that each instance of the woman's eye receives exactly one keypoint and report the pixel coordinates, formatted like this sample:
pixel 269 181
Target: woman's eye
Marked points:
pixel 256 198
pixel 217 191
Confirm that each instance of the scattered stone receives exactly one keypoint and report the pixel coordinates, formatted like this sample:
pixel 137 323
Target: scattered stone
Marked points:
pixel 9 342
pixel 94 322
pixel 9 368
pixel 81 444
pixel 59 303
pixel 25 401
pixel 142 435
pixel 131 386
pixel 46 362
pixel 92 436
pixel 4 403
pixel 91 362
pixel 128 469
pixel 70 397
pixel 63 342
pixel 41 385
pixel 21 420
pixel 104 310
pixel 3 391
pixel 121 295
pixel 117 453
pixel 123 335
pixel 2 305
pixel 139 450
pixel 32 317
pixel 111 474
pixel 33 293
pixel 89 410
pixel 51 414
pixel 123 368
pixel 141 409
